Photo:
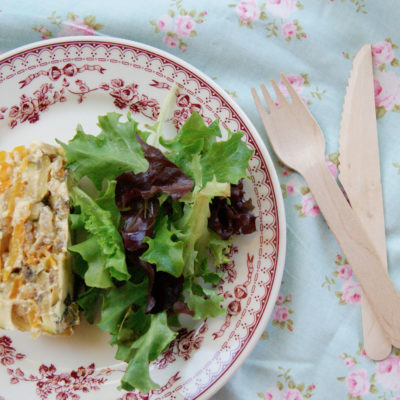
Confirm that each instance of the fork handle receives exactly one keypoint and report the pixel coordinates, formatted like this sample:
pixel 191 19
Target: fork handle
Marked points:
pixel 358 249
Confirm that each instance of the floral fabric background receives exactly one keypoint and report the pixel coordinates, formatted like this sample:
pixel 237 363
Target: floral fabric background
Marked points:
pixel 312 346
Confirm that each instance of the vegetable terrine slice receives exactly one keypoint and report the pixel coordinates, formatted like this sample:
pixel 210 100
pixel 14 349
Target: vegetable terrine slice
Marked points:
pixel 35 273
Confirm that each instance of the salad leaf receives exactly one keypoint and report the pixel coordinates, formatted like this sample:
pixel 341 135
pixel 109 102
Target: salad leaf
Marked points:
pixel 135 195
pixel 203 302
pixel 165 251
pixel 107 155
pixel 233 217
pixel 103 249
pixel 144 350
pixel 219 248
pixel 96 274
pixel 116 303
pixel 162 176
pixel 90 302
pixel 139 221
pixel 166 291
pixel 193 138
pixel 145 231
pixel 194 223
pixel 226 160
pixel 106 200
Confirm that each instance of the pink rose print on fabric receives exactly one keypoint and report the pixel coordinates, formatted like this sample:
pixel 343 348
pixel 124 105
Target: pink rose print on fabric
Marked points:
pixel 288 30
pixel 178 25
pixel 292 394
pixel 272 393
pixel 388 373
pixel 293 186
pixel 287 389
pixel 171 41
pixel 281 313
pixel 357 383
pixel 281 8
pixel 75 28
pixel 248 11
pixel 298 82
pixel 275 13
pixel 164 23
pixel 309 206
pixel 387 89
pixel 351 292
pixel 344 272
pixel 349 362
pixel 184 25
pixel 332 167
pixel 382 53
pixel 72 25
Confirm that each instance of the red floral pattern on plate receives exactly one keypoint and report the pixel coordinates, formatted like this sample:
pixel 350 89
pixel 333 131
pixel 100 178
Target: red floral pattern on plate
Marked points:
pixel 240 292
pixel 183 346
pixel 185 107
pixel 125 96
pixel 8 354
pixel 120 60
pixel 70 385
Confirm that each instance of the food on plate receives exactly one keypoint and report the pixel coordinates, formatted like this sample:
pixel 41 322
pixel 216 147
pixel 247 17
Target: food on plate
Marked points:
pixel 151 221
pixel 36 287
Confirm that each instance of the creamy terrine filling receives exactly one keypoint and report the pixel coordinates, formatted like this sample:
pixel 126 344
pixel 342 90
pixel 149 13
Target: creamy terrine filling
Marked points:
pixel 36 286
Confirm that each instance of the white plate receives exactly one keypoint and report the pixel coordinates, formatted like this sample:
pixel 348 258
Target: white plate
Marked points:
pixel 46 89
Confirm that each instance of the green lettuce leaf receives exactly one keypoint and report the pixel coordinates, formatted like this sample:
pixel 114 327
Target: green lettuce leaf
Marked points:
pixel 96 274
pixel 103 249
pixel 106 200
pixel 105 156
pixel 144 350
pixel 165 251
pixel 226 160
pixel 219 249
pixel 202 301
pixel 194 223
pixel 90 302
pixel 117 301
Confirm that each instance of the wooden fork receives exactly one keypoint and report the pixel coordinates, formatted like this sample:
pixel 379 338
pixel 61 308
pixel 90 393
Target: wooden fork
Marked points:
pixel 299 143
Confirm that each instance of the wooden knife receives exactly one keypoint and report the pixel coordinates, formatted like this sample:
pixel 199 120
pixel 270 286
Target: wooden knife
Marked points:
pixel 359 173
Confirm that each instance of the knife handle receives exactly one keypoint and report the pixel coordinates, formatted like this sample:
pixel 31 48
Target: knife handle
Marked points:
pixel 376 345
pixel 357 247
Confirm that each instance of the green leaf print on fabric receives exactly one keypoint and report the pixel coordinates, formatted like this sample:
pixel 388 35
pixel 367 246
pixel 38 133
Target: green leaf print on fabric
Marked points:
pixel 365 377
pixel 275 15
pixel 397 165
pixel 178 25
pixel 282 312
pixel 72 25
pixel 360 6
pixel 342 283
pixel 287 387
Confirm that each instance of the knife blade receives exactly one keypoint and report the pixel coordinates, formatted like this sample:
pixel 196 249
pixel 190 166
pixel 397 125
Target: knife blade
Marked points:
pixel 359 173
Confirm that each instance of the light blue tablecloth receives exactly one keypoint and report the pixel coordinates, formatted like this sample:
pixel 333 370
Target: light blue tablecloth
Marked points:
pixel 312 346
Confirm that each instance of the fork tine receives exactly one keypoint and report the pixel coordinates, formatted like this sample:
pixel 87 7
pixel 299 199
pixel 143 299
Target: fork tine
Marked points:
pixel 279 94
pixel 293 94
pixel 270 103
pixel 260 107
